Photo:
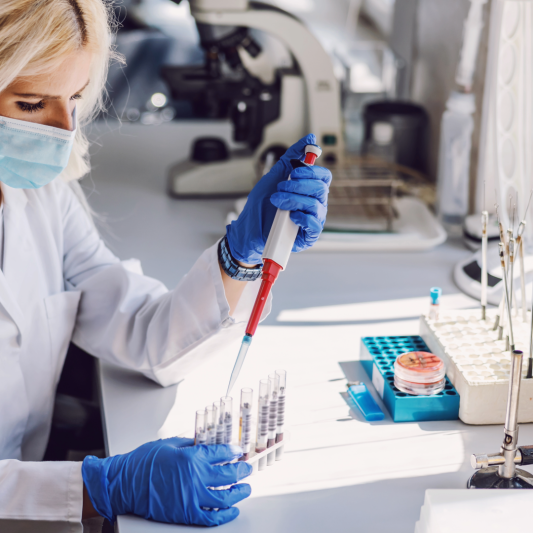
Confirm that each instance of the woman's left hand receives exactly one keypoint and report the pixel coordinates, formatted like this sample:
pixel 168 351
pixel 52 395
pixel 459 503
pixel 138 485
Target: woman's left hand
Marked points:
pixel 305 195
pixel 170 481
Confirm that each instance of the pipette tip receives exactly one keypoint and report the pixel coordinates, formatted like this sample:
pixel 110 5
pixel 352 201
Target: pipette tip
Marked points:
pixel 246 341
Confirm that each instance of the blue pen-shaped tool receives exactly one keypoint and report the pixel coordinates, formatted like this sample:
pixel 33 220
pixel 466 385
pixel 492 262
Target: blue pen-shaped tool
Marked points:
pixel 364 400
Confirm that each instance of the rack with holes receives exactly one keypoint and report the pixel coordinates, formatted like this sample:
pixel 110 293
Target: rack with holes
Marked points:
pixel 214 424
pixel 478 364
pixel 274 453
pixel 377 357
pixel 270 455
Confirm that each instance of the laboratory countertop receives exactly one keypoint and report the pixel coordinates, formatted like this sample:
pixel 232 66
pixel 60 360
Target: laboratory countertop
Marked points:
pixel 339 472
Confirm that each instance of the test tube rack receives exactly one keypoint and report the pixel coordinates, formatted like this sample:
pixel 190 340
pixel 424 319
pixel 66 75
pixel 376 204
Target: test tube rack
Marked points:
pixel 377 357
pixel 478 364
pixel 254 457
pixel 211 426
pixel 277 449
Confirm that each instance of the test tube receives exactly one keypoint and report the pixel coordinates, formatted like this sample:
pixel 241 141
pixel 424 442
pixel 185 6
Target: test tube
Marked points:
pixel 484 273
pixel 273 394
pixel 435 294
pixel 199 429
pixel 245 423
pixel 219 434
pixel 282 375
pixel 226 403
pixel 262 422
pixel 211 424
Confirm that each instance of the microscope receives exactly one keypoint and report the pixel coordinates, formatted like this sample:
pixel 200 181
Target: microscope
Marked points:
pixel 266 117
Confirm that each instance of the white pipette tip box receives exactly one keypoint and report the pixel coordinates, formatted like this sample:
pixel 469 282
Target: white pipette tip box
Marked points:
pixel 467 511
pixel 477 363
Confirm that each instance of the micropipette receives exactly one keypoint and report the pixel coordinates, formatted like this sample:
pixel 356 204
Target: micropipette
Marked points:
pixel 275 258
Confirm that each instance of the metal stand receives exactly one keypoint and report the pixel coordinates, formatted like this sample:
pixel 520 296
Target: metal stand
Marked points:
pixel 498 470
pixel 489 478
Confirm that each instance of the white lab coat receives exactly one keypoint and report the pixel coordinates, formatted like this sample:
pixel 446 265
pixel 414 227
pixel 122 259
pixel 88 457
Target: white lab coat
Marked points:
pixel 60 282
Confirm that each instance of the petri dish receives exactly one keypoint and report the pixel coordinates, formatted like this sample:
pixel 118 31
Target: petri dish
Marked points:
pixel 419 373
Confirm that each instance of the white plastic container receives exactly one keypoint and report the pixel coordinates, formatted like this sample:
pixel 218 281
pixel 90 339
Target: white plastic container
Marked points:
pixel 454 159
pixel 477 363
pixel 467 511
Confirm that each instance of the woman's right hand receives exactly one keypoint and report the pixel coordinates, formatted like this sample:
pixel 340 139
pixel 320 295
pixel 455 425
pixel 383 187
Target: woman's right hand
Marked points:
pixel 305 196
pixel 168 481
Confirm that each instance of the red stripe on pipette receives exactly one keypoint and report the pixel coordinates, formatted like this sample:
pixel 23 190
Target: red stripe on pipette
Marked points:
pixel 310 158
pixel 270 273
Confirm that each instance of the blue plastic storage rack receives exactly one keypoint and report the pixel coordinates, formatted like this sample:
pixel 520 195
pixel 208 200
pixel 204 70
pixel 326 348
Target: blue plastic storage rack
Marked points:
pixel 377 357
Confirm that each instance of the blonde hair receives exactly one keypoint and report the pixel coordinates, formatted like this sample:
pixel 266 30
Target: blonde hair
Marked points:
pixel 36 35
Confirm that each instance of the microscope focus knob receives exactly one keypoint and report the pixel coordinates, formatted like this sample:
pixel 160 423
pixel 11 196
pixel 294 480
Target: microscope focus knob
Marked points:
pixel 209 150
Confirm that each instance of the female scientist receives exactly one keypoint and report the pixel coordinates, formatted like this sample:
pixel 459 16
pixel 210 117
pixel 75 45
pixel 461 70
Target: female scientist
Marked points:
pixel 59 282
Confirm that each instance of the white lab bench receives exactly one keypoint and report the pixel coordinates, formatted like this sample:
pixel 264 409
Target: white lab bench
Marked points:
pixel 339 473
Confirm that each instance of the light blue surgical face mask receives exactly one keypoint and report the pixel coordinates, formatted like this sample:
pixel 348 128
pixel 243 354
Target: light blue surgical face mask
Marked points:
pixel 32 155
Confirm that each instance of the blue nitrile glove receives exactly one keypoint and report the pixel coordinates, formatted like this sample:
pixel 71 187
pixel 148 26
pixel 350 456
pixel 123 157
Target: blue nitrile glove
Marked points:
pixel 306 195
pixel 167 481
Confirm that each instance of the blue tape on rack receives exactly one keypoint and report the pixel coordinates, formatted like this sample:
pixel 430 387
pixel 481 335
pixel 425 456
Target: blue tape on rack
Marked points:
pixel 377 357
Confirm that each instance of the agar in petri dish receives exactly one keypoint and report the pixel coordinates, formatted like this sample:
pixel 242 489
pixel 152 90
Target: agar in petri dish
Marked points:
pixel 419 373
